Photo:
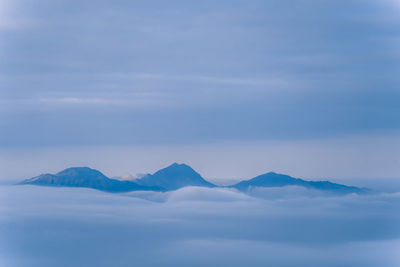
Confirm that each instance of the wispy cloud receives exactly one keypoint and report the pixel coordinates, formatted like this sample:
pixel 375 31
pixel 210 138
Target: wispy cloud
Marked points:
pixel 214 79
pixel 196 72
pixel 74 100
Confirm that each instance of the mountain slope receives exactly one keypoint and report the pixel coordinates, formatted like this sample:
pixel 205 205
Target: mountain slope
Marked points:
pixel 86 177
pixel 272 179
pixel 174 177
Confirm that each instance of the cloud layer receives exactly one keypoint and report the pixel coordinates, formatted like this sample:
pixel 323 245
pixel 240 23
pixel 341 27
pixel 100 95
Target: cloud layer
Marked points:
pixel 195 227
pixel 146 72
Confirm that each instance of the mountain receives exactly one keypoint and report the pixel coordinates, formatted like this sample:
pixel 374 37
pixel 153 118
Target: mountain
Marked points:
pixel 87 177
pixel 174 177
pixel 273 179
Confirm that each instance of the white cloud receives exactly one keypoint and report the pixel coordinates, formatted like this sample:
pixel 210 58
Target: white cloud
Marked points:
pixel 43 226
pixel 206 194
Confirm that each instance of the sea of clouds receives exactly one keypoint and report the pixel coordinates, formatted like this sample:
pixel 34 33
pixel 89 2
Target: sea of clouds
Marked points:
pixel 290 226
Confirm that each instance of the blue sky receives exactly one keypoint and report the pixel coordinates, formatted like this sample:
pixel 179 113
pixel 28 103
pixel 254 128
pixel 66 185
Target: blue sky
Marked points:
pixel 197 73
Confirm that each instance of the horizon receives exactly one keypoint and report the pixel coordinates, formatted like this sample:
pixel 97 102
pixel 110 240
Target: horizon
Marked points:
pixel 234 89
pixel 376 184
pixel 229 160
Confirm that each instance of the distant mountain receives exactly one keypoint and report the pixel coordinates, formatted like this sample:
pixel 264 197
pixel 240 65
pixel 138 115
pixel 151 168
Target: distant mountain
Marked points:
pixel 174 177
pixel 273 179
pixel 87 177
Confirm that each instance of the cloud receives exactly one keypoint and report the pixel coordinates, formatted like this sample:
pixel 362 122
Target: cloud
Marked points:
pixel 195 227
pixel 205 194
pixel 368 158
pixel 287 192
pixel 74 100
pixel 198 71
pixel 8 20
pixel 273 81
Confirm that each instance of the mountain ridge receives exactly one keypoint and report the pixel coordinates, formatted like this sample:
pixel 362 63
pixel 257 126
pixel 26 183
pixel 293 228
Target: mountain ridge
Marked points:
pixel 173 177
pixel 272 179
pixel 89 178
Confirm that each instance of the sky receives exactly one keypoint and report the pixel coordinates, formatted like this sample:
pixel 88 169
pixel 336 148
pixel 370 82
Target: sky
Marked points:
pixel 234 88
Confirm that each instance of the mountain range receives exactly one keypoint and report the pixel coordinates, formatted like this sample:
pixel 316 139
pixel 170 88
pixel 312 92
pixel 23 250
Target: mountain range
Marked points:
pixel 174 177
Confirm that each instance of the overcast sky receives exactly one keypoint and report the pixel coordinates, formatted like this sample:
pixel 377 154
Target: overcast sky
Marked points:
pixel 171 74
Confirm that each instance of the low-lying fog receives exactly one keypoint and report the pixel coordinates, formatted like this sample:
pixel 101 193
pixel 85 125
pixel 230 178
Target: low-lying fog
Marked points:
pixel 43 226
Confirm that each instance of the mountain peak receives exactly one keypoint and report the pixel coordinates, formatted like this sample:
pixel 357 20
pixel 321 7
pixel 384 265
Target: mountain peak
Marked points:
pixel 174 177
pixel 178 165
pixel 86 172
pixel 86 177
pixel 272 179
pixel 78 170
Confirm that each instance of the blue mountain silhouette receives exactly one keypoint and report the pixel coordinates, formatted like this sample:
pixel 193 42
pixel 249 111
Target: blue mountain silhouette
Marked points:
pixel 174 177
pixel 272 179
pixel 87 177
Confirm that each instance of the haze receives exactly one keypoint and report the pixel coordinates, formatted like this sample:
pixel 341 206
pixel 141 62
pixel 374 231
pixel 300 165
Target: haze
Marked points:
pixel 180 76
pixel 232 88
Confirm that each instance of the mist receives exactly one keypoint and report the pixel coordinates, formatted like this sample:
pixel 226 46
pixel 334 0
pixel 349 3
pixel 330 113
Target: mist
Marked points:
pixel 233 88
pixel 194 226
